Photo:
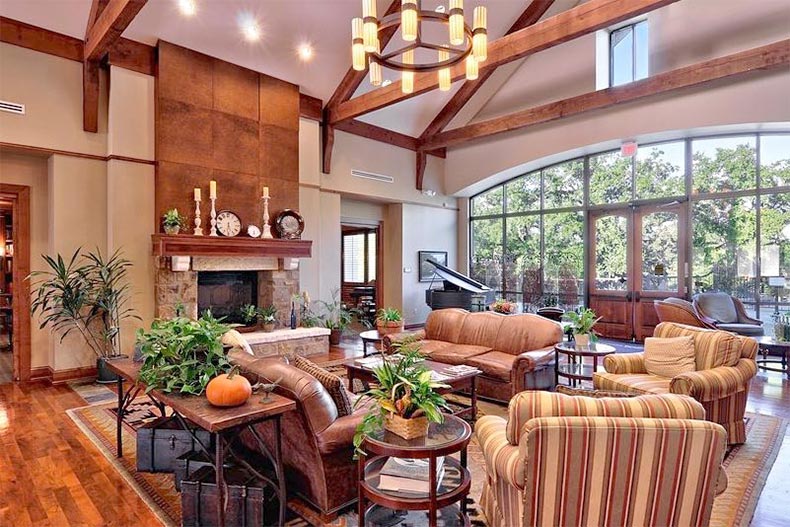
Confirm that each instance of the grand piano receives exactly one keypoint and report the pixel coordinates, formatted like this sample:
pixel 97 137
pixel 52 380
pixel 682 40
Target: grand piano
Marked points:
pixel 457 290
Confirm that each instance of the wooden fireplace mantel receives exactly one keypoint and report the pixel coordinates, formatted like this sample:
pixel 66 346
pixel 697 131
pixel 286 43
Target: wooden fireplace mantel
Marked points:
pixel 241 246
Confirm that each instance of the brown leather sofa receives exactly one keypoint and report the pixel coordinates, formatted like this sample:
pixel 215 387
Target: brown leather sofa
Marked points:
pixel 514 352
pixel 316 444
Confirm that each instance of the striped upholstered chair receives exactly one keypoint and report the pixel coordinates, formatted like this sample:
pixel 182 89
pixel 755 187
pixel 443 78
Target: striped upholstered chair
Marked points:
pixel 725 367
pixel 563 461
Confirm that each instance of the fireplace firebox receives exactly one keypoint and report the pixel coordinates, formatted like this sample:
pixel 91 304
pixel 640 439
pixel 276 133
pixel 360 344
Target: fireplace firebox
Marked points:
pixel 226 292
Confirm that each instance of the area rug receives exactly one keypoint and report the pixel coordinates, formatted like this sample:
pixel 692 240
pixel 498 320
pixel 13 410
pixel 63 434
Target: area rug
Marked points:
pixel 747 467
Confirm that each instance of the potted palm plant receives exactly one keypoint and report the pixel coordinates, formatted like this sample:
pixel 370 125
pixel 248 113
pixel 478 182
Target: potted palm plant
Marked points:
pixel 389 320
pixel 172 221
pixel 406 397
pixel 88 295
pixel 582 323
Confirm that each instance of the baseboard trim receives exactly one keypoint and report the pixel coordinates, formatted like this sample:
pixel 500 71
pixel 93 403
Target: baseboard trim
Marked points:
pixel 57 377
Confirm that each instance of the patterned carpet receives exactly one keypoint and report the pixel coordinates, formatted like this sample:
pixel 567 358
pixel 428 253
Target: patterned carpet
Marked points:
pixel 747 465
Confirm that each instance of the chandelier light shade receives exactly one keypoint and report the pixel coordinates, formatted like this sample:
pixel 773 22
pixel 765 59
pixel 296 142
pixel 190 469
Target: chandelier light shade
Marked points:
pixel 457 34
pixel 465 43
pixel 472 69
pixel 357 45
pixel 408 20
pixel 407 77
pixel 370 29
pixel 480 34
pixel 444 74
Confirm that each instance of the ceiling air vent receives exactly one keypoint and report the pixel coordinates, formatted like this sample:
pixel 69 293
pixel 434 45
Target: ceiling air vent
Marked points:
pixel 12 107
pixel 375 177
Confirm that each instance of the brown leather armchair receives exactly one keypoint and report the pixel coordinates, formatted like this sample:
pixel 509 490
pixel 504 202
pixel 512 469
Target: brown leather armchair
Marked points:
pixel 678 311
pixel 316 444
pixel 722 311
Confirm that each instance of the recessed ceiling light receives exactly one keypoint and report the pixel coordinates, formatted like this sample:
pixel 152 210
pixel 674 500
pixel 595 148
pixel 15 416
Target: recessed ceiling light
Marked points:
pixel 249 27
pixel 440 9
pixel 386 82
pixel 305 51
pixel 187 7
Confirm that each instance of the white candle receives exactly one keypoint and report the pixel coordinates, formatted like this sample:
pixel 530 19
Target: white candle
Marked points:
pixel 197 194
pixel 265 192
pixel 212 189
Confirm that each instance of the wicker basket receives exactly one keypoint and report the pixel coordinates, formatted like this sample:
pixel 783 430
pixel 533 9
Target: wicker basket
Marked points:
pixel 406 428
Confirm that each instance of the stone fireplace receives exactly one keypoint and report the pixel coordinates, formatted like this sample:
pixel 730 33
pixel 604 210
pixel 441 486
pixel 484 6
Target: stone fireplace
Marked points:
pixel 224 284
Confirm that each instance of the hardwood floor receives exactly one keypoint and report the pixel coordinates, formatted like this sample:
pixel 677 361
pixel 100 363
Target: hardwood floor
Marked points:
pixel 52 475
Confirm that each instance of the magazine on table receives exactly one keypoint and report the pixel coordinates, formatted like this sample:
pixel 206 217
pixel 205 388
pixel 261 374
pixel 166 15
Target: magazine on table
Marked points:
pixel 409 475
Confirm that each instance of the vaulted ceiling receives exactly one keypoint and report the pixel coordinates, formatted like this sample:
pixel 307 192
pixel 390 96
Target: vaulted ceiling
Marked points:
pixel 285 24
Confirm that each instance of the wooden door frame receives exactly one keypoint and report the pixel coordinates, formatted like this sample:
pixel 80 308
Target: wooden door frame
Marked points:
pixel 20 197
pixel 379 230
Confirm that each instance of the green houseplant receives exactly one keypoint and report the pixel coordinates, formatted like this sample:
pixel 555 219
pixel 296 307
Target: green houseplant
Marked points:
pixel 88 294
pixel 182 355
pixel 268 315
pixel 249 316
pixel 389 320
pixel 333 315
pixel 582 323
pixel 172 221
pixel 406 398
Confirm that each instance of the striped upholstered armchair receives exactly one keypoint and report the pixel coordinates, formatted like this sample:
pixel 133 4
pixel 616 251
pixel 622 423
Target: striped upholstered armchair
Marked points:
pixel 561 460
pixel 725 367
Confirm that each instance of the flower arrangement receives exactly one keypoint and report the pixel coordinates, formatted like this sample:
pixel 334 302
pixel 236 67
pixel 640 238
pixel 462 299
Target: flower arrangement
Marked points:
pixel 504 306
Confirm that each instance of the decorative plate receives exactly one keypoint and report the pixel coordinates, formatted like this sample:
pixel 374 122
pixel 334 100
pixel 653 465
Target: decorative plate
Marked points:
pixel 228 224
pixel 289 224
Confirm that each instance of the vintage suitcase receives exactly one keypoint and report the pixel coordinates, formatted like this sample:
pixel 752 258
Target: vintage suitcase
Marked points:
pixel 161 441
pixel 187 464
pixel 249 501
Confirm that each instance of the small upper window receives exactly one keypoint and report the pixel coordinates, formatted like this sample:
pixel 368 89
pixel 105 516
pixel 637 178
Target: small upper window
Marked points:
pixel 628 54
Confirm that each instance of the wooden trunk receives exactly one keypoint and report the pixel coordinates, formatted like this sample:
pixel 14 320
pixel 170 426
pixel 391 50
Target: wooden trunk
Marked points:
pixel 248 501
pixel 163 440
pixel 187 464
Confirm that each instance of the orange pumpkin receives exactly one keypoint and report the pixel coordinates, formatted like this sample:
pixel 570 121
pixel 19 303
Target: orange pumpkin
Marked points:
pixel 228 389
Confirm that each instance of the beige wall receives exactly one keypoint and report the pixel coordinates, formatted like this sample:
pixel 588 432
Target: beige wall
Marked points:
pixel 31 171
pixel 51 89
pixel 79 202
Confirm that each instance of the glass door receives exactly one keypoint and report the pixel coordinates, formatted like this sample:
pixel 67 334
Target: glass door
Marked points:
pixel 637 256
pixel 660 261
pixel 611 263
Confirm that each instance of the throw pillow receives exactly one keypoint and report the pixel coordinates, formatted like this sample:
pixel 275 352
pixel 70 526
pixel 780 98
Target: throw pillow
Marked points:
pixel 330 381
pixel 597 394
pixel 669 357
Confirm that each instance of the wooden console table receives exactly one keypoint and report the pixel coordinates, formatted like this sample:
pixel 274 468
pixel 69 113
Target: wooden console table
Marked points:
pixel 225 425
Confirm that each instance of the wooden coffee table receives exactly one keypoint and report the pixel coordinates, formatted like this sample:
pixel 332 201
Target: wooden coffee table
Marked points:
pixel 467 381
pixel 768 345
pixel 225 424
pixel 443 439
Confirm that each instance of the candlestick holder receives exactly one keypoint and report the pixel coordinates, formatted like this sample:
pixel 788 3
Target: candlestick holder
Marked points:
pixel 198 230
pixel 213 218
pixel 266 230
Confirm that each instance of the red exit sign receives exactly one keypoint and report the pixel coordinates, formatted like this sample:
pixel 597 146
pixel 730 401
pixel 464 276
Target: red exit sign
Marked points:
pixel 628 149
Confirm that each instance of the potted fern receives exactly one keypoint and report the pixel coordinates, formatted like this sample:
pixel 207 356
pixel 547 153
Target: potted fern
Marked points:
pixel 268 315
pixel 582 324
pixel 88 295
pixel 406 398
pixel 389 320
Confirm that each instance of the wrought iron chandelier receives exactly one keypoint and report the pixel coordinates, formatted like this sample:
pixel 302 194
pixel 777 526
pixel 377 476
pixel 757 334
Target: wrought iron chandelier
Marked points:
pixel 465 43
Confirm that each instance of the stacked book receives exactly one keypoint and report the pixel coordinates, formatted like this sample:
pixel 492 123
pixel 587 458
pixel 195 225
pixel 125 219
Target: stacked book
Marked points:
pixel 461 369
pixel 409 475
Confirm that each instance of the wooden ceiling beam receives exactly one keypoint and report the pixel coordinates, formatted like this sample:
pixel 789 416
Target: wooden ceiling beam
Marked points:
pixel 97 6
pixel 38 39
pixel 530 16
pixel 568 25
pixel 110 23
pixel 764 58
